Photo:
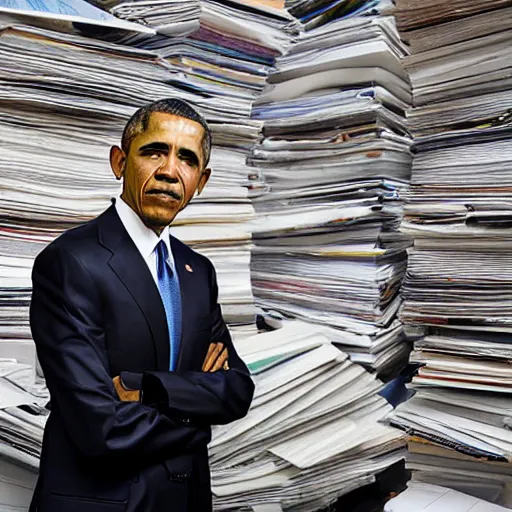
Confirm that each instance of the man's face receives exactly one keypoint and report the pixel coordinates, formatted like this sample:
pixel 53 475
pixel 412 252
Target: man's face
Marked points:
pixel 163 168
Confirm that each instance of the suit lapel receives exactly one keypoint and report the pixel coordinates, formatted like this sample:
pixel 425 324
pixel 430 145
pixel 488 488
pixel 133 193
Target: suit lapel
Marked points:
pixel 186 276
pixel 130 267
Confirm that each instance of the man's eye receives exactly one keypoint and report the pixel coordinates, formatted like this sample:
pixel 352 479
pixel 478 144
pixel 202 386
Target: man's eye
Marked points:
pixel 189 160
pixel 152 154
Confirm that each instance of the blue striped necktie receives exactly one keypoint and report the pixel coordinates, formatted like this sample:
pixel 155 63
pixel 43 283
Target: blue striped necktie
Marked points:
pixel 169 288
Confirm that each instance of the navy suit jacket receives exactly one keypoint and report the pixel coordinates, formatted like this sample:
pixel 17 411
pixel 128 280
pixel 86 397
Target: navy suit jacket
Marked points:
pixel 96 312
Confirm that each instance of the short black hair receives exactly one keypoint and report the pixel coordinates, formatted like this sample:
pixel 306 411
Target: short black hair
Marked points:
pixel 139 122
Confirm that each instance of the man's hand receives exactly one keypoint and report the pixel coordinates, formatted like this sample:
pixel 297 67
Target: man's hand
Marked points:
pixel 125 395
pixel 216 358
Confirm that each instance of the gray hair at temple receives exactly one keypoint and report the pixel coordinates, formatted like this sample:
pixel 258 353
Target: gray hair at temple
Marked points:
pixel 139 122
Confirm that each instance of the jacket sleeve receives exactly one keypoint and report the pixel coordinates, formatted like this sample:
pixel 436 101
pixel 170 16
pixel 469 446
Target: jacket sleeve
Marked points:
pixel 214 398
pixel 67 326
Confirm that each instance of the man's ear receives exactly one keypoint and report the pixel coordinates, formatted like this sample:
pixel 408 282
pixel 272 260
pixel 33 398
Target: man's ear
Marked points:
pixel 117 161
pixel 203 180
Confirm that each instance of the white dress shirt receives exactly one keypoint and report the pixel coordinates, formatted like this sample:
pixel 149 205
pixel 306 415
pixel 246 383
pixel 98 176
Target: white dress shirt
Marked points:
pixel 145 239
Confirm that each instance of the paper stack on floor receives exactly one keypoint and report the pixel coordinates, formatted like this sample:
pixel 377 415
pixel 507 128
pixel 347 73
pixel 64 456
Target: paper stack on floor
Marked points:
pixel 22 419
pixel 313 432
pixel 335 158
pixel 488 480
pixel 457 291
pixel 460 438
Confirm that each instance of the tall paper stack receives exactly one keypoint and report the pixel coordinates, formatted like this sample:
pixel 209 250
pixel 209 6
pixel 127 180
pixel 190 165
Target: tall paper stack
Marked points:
pixel 65 99
pixel 457 291
pixel 224 57
pixel 336 160
pixel 228 60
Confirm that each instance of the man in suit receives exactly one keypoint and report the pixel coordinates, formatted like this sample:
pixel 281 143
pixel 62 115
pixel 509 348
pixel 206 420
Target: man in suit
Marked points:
pixel 131 340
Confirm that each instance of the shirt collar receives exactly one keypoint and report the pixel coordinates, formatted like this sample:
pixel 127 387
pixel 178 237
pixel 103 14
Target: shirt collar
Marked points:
pixel 144 238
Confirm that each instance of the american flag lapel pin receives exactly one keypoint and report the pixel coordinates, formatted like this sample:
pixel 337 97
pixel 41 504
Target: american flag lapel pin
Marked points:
pixel 188 268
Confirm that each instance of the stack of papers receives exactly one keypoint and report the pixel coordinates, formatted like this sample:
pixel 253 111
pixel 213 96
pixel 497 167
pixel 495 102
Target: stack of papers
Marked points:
pixel 313 432
pixel 225 45
pixel 65 99
pixel 459 419
pixel 335 158
pixel 315 428
pixel 433 498
pixel 486 479
pixel 472 423
pixel 457 299
pixel 22 420
pixel 171 18
pixel 224 58
pixel 313 14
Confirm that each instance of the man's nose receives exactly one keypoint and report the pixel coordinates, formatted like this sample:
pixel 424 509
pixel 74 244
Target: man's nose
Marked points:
pixel 168 170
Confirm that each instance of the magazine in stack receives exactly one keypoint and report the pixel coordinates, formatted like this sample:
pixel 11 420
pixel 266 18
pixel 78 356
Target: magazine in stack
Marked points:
pixel 458 287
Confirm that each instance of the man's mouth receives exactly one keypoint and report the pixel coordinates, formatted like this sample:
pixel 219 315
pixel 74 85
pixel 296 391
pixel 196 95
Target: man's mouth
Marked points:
pixel 165 193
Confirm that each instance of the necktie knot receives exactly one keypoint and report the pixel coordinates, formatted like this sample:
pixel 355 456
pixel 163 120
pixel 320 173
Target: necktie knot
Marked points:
pixel 162 256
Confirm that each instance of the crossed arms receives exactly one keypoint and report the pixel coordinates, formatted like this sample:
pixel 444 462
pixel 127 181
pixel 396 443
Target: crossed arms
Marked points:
pixel 216 359
pixel 176 409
